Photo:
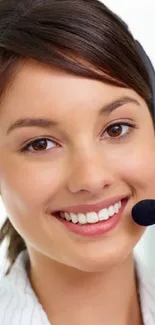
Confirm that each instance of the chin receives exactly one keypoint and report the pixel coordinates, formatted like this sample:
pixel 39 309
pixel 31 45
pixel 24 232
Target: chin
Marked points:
pixel 104 261
pixel 98 265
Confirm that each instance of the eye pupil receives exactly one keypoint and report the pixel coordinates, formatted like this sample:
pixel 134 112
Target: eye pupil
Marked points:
pixel 114 130
pixel 40 145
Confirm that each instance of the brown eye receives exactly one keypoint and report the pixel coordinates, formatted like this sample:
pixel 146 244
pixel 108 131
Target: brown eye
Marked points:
pixel 117 130
pixel 39 145
pixel 114 130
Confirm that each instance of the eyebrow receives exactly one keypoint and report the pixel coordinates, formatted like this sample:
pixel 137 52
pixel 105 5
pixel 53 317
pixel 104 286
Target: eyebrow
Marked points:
pixel 47 123
pixel 108 108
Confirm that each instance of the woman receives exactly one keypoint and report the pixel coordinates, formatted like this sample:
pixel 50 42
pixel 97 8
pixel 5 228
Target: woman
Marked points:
pixel 77 152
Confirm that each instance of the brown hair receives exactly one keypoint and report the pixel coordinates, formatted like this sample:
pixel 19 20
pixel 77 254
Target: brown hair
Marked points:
pixel 82 37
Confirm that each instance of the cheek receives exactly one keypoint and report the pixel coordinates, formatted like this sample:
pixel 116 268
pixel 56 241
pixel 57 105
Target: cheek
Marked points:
pixel 137 168
pixel 29 187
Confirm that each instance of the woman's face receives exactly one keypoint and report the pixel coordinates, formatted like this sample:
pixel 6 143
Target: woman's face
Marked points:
pixel 82 160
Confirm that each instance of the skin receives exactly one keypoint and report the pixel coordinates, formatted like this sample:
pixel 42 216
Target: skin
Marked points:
pixel 84 164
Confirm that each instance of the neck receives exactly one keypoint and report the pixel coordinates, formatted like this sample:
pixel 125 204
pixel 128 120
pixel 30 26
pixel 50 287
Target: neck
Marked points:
pixel 96 298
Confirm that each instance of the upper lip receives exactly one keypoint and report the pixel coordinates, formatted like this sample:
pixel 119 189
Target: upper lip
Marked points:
pixel 84 208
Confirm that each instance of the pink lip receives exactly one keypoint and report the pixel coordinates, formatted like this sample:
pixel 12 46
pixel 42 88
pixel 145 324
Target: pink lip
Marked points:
pixel 96 229
pixel 84 208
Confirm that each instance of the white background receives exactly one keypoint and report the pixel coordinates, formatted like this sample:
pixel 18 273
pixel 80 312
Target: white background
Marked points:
pixel 140 16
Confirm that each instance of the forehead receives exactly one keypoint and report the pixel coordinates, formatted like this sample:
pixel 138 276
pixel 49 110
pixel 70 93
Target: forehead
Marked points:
pixel 37 87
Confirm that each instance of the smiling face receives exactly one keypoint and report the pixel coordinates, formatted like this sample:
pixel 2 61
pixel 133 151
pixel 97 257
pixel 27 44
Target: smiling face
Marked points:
pixel 81 159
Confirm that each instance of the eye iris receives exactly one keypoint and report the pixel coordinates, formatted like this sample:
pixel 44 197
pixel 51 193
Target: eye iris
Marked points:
pixel 40 145
pixel 114 130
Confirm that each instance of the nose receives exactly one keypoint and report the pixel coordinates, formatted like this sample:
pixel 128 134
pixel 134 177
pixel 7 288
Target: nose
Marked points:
pixel 90 172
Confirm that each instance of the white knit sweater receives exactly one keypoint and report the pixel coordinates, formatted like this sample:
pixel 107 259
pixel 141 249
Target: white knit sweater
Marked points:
pixel 20 306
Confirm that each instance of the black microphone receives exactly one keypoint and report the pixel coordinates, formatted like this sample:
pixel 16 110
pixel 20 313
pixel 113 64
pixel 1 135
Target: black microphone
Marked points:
pixel 143 213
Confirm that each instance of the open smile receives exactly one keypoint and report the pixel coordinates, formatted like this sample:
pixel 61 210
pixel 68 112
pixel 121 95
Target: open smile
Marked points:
pixel 93 223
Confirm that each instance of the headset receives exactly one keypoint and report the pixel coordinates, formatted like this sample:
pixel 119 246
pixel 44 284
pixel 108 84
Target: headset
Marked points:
pixel 151 73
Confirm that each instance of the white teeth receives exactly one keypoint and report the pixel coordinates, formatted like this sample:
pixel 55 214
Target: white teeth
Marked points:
pixel 82 218
pixel 92 217
pixel 74 217
pixel 111 211
pixel 119 204
pixel 67 216
pixel 116 207
pixel 103 214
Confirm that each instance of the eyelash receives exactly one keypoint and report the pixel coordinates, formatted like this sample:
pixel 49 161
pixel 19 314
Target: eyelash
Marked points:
pixel 130 126
pixel 117 138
